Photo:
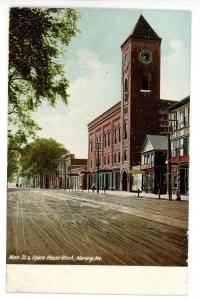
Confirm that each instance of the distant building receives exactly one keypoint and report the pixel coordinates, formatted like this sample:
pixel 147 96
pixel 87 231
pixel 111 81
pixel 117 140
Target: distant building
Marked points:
pixel 116 137
pixel 72 172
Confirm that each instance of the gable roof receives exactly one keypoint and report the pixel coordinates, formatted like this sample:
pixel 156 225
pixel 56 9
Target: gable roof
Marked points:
pixel 157 142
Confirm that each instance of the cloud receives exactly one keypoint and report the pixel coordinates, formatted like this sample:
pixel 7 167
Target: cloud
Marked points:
pixel 90 95
pixel 175 72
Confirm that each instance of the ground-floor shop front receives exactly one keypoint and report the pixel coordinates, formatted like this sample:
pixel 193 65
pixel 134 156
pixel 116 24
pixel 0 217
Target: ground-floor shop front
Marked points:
pixel 107 180
pixel 155 181
pixel 180 178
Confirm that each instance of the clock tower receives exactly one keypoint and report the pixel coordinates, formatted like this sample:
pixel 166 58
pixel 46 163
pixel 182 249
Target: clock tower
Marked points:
pixel 140 102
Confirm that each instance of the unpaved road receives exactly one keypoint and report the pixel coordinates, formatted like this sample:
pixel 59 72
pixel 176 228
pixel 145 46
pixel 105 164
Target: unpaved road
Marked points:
pixel 62 227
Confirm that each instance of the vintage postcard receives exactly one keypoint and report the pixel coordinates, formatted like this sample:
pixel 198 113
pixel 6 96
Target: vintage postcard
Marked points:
pixel 98 150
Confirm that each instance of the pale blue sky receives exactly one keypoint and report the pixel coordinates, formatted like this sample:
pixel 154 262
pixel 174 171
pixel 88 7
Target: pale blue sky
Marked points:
pixel 93 66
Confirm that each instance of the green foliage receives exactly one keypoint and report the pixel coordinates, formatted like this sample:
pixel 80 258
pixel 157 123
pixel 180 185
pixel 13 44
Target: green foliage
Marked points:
pixel 38 37
pixel 41 157
pixel 13 165
pixel 14 150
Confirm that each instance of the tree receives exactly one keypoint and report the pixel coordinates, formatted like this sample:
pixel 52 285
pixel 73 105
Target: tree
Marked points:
pixel 15 143
pixel 41 157
pixel 38 37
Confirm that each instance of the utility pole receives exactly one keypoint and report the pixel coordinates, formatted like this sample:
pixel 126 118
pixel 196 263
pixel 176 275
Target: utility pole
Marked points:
pixel 169 169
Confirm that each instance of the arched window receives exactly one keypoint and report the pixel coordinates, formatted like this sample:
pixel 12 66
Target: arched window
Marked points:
pixel 145 83
pixel 126 90
pixel 125 129
pixel 105 139
pixel 125 155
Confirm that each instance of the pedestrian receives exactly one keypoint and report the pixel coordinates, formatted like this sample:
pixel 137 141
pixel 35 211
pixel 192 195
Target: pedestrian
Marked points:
pixel 138 192
pixel 93 187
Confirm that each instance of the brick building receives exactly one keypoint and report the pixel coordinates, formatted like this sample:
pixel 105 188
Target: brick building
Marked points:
pixel 116 136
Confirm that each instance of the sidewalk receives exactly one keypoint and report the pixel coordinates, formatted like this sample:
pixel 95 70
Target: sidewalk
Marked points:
pixel 142 195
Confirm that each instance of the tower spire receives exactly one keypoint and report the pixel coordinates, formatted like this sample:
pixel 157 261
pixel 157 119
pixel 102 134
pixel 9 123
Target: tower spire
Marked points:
pixel 143 30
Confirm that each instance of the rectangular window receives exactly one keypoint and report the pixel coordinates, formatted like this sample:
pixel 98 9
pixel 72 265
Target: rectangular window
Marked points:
pixel 108 159
pixel 142 160
pixel 105 140
pixel 125 130
pixel 172 121
pixel 91 145
pixel 108 139
pixel 178 119
pixel 115 158
pixel 91 164
pixel 97 162
pixel 180 147
pixel 186 116
pixel 152 158
pixel 125 155
pixel 186 146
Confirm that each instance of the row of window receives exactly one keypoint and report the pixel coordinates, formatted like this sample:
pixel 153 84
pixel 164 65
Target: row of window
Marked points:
pixel 148 159
pixel 180 147
pixel 179 118
pixel 107 138
pixel 106 159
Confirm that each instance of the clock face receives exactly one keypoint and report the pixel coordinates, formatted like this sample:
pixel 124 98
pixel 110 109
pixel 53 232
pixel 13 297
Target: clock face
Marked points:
pixel 145 56
pixel 126 60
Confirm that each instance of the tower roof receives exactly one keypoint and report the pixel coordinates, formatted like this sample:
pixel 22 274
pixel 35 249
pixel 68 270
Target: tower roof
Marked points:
pixel 143 30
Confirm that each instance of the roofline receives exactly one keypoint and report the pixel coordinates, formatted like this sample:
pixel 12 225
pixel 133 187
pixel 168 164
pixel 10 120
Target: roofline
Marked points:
pixel 104 113
pixel 179 103
pixel 136 38
pixel 147 138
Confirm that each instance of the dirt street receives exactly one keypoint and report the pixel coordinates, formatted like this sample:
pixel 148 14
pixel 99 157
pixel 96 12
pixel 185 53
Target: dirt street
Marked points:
pixel 63 227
